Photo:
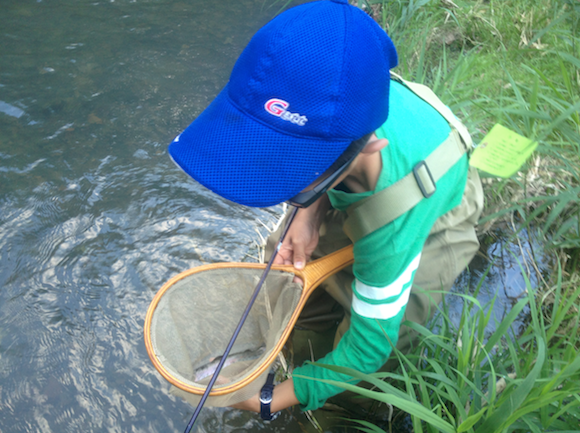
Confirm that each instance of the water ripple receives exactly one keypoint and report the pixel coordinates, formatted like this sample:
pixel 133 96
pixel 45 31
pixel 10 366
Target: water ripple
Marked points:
pixel 11 110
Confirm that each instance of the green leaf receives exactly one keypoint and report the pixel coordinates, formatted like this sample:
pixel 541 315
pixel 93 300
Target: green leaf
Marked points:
pixel 564 202
pixel 504 326
pixel 533 405
pixel 574 60
pixel 438 340
pixel 367 426
pixel 561 118
pixel 513 400
pixel 571 370
pixel 470 421
pixel 545 30
pixel 563 410
pixel 370 378
pixel 411 407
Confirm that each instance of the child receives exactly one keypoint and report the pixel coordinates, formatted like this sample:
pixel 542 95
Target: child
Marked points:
pixel 311 106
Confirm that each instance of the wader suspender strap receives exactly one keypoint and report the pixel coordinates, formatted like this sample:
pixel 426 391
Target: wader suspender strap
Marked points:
pixel 376 211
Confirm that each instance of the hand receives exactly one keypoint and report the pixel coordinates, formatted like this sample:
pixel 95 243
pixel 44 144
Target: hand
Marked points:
pixel 302 237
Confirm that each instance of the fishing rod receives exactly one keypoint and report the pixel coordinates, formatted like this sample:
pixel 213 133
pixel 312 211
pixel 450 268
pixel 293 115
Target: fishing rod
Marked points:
pixel 239 327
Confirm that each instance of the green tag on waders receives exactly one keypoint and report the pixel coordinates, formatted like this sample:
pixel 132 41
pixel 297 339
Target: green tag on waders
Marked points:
pixel 502 152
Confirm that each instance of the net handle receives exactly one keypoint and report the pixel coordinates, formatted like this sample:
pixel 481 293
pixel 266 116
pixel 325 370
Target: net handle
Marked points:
pixel 318 270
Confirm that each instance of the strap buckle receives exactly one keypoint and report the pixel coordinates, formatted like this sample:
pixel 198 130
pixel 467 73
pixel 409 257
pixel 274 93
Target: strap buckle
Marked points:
pixel 424 179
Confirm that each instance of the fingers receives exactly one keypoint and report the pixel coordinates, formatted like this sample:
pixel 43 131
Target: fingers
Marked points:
pixel 298 280
pixel 301 240
pixel 284 255
pixel 292 253
pixel 299 256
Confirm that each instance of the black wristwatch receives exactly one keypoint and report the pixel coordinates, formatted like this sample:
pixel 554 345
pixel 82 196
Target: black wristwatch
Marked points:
pixel 266 398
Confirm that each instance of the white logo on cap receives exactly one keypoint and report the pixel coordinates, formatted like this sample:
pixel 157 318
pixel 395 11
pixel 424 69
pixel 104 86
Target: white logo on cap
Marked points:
pixel 278 108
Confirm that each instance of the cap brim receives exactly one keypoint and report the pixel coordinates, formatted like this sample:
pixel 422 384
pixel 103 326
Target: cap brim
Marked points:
pixel 246 161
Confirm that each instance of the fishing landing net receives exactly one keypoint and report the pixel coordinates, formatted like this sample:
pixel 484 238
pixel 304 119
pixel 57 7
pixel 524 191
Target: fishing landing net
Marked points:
pixel 194 315
pixel 195 319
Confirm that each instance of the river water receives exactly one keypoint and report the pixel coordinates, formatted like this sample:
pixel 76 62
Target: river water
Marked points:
pixel 94 217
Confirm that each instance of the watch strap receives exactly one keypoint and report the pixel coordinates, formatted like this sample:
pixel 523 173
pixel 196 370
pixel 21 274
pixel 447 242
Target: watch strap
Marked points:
pixel 266 398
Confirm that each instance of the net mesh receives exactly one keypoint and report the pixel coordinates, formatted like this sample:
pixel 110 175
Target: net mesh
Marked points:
pixel 195 319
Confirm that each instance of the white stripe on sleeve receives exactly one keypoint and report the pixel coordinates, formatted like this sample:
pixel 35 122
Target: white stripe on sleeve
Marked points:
pixel 381 311
pixel 401 287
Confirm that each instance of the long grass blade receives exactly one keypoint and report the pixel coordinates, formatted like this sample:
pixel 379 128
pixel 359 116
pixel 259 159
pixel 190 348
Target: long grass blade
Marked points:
pixel 411 407
pixel 563 117
pixel 496 422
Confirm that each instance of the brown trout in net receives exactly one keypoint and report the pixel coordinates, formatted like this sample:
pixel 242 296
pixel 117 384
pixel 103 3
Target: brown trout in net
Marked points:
pixel 209 369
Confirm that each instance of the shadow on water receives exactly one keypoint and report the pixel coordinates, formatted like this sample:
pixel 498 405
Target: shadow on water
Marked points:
pixel 94 217
pixel 498 275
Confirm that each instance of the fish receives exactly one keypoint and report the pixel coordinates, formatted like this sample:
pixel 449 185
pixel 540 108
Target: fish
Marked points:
pixel 209 369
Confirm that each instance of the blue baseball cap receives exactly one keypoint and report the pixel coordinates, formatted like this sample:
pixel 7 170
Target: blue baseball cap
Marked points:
pixel 311 81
